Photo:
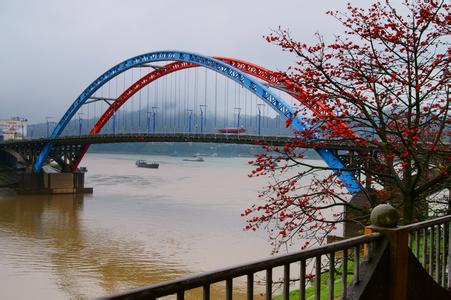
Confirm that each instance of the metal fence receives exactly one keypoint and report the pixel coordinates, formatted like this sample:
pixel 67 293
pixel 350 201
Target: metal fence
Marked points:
pixel 302 271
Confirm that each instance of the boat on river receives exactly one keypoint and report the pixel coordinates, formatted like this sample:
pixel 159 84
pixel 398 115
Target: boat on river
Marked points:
pixel 82 169
pixel 195 158
pixel 144 164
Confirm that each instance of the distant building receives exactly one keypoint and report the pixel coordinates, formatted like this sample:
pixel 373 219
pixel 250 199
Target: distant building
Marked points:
pixel 13 129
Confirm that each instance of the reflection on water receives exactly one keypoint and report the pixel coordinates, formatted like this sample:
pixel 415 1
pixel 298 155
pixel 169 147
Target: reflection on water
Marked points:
pixel 43 234
pixel 139 227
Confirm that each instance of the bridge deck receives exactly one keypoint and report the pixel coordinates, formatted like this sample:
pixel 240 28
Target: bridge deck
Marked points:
pixel 174 138
pixel 78 140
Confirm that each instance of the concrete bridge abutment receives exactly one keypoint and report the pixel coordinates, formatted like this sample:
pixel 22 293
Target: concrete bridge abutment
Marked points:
pixel 53 183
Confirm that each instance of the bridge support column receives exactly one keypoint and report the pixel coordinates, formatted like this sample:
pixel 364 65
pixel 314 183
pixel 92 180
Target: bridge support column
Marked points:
pixel 53 183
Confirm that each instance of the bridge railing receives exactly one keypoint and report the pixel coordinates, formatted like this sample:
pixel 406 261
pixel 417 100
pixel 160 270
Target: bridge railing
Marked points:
pixel 305 268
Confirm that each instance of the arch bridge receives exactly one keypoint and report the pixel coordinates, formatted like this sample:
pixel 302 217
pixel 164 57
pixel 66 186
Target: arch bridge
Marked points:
pixel 262 90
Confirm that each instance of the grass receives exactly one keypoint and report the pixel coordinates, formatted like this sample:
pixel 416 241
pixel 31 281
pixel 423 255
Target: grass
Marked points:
pixel 310 291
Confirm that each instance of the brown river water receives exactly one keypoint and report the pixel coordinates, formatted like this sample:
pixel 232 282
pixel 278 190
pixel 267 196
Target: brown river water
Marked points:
pixel 141 226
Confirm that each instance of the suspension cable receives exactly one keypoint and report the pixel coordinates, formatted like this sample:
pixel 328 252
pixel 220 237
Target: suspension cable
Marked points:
pixel 216 99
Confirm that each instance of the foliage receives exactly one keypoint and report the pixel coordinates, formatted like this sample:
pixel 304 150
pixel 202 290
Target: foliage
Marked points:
pixel 381 89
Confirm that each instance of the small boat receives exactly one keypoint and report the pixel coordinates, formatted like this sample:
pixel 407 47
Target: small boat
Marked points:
pixel 195 158
pixel 144 164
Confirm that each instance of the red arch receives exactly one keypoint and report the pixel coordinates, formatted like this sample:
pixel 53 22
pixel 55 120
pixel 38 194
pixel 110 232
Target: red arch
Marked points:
pixel 318 108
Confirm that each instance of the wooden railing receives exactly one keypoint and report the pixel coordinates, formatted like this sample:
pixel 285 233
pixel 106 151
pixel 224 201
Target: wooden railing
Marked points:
pixel 342 262
pixel 310 265
pixel 430 243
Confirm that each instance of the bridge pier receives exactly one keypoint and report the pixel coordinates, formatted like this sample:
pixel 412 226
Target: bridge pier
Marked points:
pixel 53 183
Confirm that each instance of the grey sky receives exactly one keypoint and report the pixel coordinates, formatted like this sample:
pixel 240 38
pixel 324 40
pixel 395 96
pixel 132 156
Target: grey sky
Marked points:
pixel 52 49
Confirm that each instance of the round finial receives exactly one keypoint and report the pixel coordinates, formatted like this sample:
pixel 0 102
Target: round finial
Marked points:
pixel 384 215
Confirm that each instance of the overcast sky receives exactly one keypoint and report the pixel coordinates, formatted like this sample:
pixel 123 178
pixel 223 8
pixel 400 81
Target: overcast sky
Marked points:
pixel 52 49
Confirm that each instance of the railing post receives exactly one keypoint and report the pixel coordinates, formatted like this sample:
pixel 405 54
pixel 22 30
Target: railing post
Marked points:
pixel 384 219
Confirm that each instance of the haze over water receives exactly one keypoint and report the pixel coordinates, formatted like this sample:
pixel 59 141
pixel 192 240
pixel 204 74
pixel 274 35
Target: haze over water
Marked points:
pixel 141 226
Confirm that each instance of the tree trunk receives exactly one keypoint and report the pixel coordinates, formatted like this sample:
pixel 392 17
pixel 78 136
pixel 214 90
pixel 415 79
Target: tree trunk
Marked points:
pixel 408 209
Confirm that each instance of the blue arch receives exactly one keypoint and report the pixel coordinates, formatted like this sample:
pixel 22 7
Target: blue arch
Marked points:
pixel 223 68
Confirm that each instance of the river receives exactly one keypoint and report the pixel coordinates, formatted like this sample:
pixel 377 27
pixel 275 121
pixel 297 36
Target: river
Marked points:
pixel 140 226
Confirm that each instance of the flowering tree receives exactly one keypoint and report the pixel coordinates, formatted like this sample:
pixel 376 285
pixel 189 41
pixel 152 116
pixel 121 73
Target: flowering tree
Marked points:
pixel 384 87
